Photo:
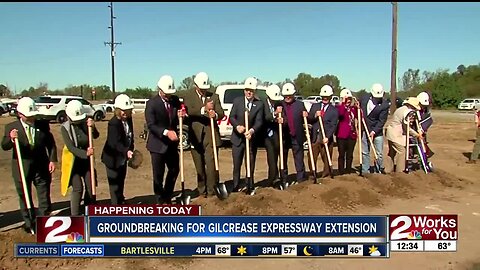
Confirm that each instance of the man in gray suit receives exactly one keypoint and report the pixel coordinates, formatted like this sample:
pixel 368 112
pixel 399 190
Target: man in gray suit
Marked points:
pixel 39 154
pixel 240 134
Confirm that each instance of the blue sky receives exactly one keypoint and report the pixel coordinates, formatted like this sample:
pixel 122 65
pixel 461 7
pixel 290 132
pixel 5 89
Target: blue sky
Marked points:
pixel 63 43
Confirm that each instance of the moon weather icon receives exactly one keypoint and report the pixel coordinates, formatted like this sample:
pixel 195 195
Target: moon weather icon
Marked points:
pixel 307 250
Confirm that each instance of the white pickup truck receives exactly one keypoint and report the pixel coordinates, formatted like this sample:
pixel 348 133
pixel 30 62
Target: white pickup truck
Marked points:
pixel 227 93
pixel 310 100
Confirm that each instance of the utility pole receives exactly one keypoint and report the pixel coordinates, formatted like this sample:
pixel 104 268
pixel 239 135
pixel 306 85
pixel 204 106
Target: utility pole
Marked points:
pixel 112 44
pixel 393 76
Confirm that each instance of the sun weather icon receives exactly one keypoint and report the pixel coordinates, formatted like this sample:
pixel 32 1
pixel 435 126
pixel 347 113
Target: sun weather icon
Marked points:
pixel 241 250
pixel 373 251
pixel 75 237
pixel 414 235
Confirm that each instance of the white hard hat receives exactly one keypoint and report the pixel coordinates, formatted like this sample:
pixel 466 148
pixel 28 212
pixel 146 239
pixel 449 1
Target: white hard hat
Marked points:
pixel 27 107
pixel 251 83
pixel 273 92
pixel 377 90
pixel 75 111
pixel 166 84
pixel 288 89
pixel 346 93
pixel 123 102
pixel 201 80
pixel 326 91
pixel 424 98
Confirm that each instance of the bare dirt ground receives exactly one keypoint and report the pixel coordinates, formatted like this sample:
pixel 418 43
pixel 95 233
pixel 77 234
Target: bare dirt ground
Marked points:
pixel 454 188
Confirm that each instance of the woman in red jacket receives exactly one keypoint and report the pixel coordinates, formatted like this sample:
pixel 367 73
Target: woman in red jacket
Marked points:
pixel 346 132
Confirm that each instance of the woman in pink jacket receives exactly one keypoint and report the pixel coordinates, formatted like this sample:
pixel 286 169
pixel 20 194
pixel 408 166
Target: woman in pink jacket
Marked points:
pixel 346 132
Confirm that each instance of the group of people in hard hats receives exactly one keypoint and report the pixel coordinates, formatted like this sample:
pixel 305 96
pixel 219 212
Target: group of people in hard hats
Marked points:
pixel 279 123
pixel 35 155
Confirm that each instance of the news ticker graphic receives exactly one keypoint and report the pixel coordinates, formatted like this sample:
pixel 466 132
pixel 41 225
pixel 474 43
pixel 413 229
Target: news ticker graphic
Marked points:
pixel 88 250
pixel 176 225
pixel 237 229
pixel 419 233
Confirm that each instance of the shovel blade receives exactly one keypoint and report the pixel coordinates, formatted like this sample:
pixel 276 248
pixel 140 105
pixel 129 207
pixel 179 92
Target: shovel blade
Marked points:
pixel 221 191
pixel 186 200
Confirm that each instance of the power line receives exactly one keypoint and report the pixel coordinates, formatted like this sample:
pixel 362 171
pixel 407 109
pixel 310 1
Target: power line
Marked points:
pixel 112 44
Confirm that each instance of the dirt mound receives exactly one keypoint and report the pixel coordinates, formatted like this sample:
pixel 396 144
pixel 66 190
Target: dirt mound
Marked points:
pixel 345 194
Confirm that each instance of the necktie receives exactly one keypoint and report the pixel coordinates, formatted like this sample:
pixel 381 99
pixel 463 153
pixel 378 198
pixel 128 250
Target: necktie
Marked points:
pixel 167 106
pixel 270 130
pixel 30 135
pixel 249 105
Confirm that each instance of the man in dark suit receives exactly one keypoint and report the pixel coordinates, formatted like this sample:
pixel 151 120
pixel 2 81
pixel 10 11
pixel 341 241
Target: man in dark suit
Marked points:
pixel 293 130
pixel 201 106
pixel 39 154
pixel 162 120
pixel 240 134
pixel 329 115
pixel 269 130
pixel 375 113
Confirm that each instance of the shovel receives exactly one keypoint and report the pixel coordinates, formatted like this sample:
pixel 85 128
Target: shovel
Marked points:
pixel 184 199
pixel 407 148
pixel 24 183
pixel 329 158
pixel 250 189
pixel 92 165
pixel 359 136
pixel 220 188
pixel 283 182
pixel 310 151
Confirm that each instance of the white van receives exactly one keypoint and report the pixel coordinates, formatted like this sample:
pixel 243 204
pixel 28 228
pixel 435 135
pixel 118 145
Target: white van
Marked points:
pixel 469 104
pixel 227 93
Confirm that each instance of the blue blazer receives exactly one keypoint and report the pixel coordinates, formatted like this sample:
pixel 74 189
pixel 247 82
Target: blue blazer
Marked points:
pixel 378 116
pixel 237 117
pixel 330 121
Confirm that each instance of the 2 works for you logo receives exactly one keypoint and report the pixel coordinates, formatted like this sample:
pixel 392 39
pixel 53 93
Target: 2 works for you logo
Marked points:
pixel 423 227
pixel 60 229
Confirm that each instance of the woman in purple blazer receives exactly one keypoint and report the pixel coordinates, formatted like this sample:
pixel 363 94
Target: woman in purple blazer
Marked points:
pixel 346 132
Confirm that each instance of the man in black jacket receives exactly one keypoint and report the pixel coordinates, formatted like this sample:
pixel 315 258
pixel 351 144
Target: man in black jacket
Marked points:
pixel 269 131
pixel 240 134
pixel 162 120
pixel 39 154
pixel 375 112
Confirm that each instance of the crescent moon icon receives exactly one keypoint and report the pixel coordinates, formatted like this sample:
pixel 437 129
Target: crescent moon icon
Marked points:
pixel 305 251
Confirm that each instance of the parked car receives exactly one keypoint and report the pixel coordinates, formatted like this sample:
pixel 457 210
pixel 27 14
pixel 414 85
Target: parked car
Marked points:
pixel 310 100
pixel 227 93
pixel 108 106
pixel 469 104
pixel 53 108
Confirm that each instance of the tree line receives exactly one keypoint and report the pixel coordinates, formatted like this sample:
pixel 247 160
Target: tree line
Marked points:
pixel 446 88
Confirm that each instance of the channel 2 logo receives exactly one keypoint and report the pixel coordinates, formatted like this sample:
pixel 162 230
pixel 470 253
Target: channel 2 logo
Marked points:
pixel 423 227
pixel 60 229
